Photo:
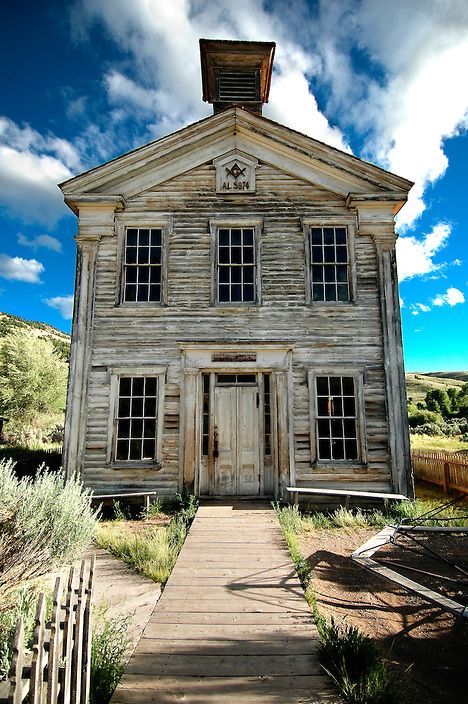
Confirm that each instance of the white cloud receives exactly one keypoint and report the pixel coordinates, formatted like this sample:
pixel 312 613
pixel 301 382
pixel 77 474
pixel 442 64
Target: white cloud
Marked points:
pixel 46 241
pixel 414 98
pixel 417 308
pixel 415 256
pixel 30 168
pixel 450 298
pixel 64 304
pixel 123 90
pixel 20 269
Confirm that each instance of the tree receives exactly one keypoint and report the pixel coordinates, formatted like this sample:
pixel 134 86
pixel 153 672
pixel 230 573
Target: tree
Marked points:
pixel 33 383
pixel 438 400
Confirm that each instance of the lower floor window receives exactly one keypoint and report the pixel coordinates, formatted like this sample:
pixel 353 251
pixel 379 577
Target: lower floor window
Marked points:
pixel 336 418
pixel 136 418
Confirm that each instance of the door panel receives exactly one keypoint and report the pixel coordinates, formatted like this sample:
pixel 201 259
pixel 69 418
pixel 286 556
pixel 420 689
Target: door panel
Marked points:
pixel 236 422
pixel 224 480
pixel 247 440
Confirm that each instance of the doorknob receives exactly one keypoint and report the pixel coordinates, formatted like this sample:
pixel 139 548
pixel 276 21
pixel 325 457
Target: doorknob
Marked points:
pixel 215 443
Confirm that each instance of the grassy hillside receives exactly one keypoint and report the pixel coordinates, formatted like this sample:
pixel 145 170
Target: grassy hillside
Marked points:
pixel 60 340
pixel 418 384
pixel 461 376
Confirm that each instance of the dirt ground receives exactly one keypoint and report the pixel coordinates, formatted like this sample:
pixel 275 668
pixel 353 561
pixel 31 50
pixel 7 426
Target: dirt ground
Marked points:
pixel 426 645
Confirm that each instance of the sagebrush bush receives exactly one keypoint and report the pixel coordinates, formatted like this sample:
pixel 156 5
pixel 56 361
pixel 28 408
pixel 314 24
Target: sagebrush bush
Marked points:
pixel 24 602
pixel 44 523
pixel 108 646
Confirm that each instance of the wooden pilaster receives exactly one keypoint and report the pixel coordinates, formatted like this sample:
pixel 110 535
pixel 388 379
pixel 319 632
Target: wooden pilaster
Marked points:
pixel 96 220
pixel 376 220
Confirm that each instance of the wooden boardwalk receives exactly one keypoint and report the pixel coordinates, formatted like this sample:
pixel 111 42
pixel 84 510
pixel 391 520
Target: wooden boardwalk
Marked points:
pixel 232 624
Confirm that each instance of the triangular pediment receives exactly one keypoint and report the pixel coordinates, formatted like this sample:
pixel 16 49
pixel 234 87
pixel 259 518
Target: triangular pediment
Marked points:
pixel 235 131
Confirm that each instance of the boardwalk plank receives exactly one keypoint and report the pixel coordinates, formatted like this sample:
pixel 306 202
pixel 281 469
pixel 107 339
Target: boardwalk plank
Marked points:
pixel 222 665
pixel 295 645
pixel 210 690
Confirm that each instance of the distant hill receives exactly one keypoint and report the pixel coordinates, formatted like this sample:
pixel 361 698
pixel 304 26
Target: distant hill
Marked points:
pixel 418 384
pixel 60 340
pixel 461 376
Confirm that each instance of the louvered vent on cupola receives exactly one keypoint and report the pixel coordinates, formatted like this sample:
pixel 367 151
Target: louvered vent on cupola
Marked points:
pixel 236 73
pixel 234 86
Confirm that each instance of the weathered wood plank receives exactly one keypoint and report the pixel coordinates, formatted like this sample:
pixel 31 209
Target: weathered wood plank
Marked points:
pixel 244 632
pixel 216 647
pixel 198 690
pixel 222 665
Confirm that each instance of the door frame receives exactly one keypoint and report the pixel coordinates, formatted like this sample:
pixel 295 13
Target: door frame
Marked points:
pixel 274 359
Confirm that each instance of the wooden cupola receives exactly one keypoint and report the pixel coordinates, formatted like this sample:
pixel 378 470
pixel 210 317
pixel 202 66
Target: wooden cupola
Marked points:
pixel 236 73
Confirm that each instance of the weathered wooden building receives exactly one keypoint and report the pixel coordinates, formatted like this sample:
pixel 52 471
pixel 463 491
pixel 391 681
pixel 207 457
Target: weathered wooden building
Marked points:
pixel 237 326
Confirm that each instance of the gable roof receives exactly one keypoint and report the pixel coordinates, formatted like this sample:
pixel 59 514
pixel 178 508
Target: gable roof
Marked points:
pixel 236 128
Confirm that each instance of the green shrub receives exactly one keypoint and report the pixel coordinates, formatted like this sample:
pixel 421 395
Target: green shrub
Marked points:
pixel 155 508
pixel 422 417
pixel 24 602
pixel 431 429
pixel 43 524
pixel 109 644
pixel 355 665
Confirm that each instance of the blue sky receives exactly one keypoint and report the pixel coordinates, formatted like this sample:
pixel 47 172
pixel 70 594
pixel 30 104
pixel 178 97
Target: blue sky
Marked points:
pixel 85 81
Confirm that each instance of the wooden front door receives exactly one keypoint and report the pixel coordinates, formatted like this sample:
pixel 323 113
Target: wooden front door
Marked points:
pixel 236 464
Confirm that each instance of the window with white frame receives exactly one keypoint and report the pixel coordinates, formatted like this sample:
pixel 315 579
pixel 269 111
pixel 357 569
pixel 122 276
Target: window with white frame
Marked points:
pixel 142 265
pixel 336 417
pixel 236 265
pixel 329 264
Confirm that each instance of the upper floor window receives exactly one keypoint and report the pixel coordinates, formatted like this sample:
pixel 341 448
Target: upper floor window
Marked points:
pixel 142 265
pixel 236 265
pixel 329 261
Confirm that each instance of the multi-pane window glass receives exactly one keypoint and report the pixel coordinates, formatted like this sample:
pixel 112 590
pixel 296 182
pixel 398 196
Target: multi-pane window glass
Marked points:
pixel 142 270
pixel 136 418
pixel 236 379
pixel 329 264
pixel 236 265
pixel 336 418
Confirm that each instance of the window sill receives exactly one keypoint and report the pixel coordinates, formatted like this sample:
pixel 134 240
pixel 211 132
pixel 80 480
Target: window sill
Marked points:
pixel 137 464
pixel 140 305
pixel 238 306
pixel 328 304
pixel 337 464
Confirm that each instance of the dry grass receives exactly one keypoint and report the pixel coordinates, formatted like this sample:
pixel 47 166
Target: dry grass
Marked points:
pixel 438 443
